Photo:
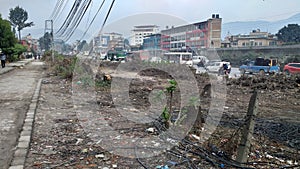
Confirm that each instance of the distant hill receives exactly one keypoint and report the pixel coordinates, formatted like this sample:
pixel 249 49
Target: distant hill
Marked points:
pixel 235 28
pixel 125 25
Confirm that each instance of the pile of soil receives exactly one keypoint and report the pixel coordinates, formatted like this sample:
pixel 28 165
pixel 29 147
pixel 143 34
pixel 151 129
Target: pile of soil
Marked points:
pixel 272 82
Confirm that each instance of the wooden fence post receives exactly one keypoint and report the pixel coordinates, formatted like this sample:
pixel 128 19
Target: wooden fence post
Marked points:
pixel 248 129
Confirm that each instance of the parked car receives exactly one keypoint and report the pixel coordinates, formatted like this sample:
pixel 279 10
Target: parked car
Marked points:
pixel 155 59
pixel 216 67
pixel 200 60
pixel 291 68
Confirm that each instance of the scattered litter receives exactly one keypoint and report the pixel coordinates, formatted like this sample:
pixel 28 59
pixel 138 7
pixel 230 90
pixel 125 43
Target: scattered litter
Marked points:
pixel 84 150
pixel 151 130
pixel 100 156
pixel 195 137
pixel 162 167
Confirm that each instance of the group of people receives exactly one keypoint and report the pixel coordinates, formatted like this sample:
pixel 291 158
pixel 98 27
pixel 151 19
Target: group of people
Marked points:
pixel 3 59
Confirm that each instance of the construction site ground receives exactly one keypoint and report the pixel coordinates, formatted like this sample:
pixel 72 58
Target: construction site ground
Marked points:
pixel 61 138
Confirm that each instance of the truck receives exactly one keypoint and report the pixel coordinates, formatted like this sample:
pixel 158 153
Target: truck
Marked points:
pixel 260 66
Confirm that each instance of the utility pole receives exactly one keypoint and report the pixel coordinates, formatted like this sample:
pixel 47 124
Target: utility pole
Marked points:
pixel 49 27
pixel 248 129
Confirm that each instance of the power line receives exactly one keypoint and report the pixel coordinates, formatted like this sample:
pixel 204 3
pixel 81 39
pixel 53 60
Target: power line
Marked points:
pixel 69 18
pixel 105 19
pixel 75 16
pixel 62 8
pixel 107 15
pixel 58 4
pixel 92 20
pixel 78 19
pixel 89 15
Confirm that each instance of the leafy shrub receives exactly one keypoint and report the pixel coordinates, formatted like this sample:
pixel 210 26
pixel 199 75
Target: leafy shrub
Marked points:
pixel 13 58
pixel 64 66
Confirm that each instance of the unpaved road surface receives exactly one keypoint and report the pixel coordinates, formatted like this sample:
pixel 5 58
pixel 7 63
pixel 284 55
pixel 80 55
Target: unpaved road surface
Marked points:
pixel 16 90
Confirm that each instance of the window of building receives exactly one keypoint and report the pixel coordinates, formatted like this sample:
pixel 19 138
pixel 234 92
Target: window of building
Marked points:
pixel 202 43
pixel 272 43
pixel 201 26
pixel 188 36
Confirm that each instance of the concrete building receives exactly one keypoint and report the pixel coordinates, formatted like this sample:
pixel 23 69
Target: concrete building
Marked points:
pixel 31 44
pixel 205 34
pixel 152 42
pixel 108 41
pixel 139 32
pixel 255 38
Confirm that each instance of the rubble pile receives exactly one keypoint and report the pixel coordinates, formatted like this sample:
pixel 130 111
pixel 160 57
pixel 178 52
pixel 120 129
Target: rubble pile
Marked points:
pixel 272 82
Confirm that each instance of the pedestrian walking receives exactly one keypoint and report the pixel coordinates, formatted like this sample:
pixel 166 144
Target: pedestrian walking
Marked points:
pixel 3 59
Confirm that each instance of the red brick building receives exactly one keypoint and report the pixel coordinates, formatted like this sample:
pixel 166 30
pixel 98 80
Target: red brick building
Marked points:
pixel 205 34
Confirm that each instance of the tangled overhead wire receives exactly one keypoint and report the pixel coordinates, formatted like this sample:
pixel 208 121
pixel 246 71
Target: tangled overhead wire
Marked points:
pixel 75 16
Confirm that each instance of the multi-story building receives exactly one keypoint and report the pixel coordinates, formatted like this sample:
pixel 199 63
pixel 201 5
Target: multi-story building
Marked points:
pixel 152 42
pixel 30 43
pixel 108 41
pixel 139 32
pixel 255 38
pixel 205 34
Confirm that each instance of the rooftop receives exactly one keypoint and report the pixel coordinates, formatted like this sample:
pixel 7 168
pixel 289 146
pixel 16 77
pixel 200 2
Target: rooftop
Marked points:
pixel 145 26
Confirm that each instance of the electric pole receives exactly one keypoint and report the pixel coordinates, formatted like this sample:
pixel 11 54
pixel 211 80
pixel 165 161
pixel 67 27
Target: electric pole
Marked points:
pixel 49 27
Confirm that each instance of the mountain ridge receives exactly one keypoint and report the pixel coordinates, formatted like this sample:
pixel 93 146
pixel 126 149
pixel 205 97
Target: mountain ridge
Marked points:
pixel 229 28
pixel 245 27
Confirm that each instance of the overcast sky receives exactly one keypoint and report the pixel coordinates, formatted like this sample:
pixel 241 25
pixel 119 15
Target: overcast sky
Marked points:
pixel 181 10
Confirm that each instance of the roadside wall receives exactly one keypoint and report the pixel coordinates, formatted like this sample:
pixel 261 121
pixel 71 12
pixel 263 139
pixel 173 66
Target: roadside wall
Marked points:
pixel 236 55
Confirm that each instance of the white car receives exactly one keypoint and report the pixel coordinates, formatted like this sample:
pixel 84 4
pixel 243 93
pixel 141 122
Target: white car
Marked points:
pixel 214 67
pixel 189 63
pixel 198 59
pixel 155 59
pixel 200 70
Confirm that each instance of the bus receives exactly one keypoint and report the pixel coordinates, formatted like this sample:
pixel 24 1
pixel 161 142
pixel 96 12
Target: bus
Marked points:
pixel 114 55
pixel 179 57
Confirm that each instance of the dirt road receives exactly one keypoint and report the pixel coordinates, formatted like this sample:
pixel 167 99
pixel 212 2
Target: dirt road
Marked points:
pixel 16 90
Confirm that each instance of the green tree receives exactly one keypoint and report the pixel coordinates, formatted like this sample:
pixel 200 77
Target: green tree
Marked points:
pixel 7 37
pixel 81 45
pixel 289 34
pixel 15 51
pixel 45 41
pixel 19 49
pixel 18 18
